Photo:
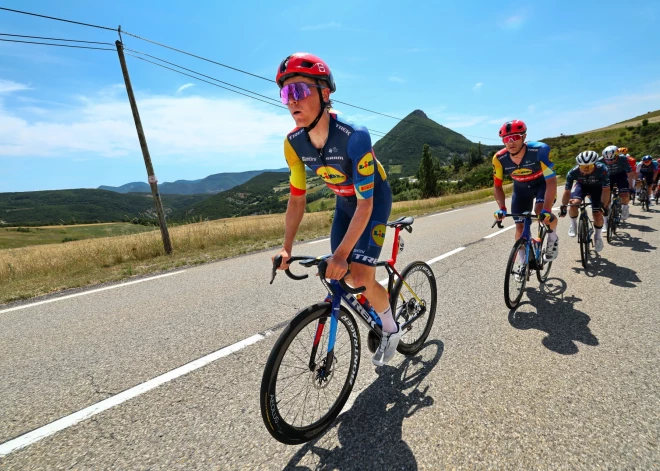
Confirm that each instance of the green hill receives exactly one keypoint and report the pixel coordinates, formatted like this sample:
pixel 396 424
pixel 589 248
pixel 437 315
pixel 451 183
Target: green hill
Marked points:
pixel 257 196
pixel 402 145
pixel 41 208
pixel 640 140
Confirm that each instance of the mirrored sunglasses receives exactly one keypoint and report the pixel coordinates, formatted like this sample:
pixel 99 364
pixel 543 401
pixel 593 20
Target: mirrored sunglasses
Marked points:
pixel 296 91
pixel 587 168
pixel 512 138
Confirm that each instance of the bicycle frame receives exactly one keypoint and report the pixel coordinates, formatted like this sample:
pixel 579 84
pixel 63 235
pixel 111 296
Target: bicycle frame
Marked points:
pixel 532 243
pixel 368 316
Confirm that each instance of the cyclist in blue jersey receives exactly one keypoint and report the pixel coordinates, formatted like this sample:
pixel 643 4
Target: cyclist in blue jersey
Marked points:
pixel 620 174
pixel 341 154
pixel 588 178
pixel 647 170
pixel 534 178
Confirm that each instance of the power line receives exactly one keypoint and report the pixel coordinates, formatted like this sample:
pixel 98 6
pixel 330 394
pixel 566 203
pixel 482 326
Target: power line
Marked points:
pixel 55 39
pixel 220 64
pixel 210 83
pixel 199 73
pixel 60 45
pixel 58 19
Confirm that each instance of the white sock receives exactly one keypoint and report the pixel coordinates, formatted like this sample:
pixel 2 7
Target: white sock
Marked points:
pixel 552 236
pixel 597 233
pixel 573 221
pixel 387 319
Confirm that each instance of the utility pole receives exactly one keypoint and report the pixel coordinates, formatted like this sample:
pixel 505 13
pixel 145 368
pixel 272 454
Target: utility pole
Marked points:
pixel 153 181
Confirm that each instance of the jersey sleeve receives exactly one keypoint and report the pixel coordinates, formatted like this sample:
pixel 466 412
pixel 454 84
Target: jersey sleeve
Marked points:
pixel 547 165
pixel 604 175
pixel 570 178
pixel 498 171
pixel 626 167
pixel 297 174
pixel 361 154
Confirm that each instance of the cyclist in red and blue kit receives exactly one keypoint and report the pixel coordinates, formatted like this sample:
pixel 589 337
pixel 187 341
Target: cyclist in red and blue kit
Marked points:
pixel 341 154
pixel 530 167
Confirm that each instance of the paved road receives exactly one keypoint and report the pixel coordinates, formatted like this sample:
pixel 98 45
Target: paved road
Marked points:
pixel 568 381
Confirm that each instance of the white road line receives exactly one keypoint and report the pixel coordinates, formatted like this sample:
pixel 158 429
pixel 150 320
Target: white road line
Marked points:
pixel 83 293
pixel 70 420
pixel 318 241
pixel 499 232
pixel 446 212
pixel 448 254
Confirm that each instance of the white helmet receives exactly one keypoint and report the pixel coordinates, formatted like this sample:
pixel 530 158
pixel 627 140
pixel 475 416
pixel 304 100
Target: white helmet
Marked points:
pixel 587 157
pixel 610 151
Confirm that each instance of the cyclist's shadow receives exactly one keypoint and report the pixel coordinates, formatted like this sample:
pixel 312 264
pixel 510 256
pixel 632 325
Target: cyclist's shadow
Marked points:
pixel 370 433
pixel 556 316
pixel 636 244
pixel 618 275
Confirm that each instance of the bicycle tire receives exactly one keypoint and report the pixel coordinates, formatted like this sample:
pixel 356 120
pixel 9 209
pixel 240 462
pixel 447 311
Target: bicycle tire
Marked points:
pixel 512 303
pixel 610 224
pixel 645 202
pixel 415 275
pixel 282 428
pixel 583 240
pixel 543 272
pixel 617 218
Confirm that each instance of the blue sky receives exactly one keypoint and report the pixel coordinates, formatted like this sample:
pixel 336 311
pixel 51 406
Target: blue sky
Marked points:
pixel 65 121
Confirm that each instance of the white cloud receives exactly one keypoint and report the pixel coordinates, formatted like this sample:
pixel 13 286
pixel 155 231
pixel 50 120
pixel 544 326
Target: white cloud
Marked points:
pixel 499 121
pixel 514 22
pixel 177 128
pixel 330 25
pixel 531 108
pixel 8 86
pixel 183 87
pixel 396 79
pixel 477 86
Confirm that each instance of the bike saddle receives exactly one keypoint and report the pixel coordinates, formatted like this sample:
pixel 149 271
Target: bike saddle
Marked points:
pixel 404 221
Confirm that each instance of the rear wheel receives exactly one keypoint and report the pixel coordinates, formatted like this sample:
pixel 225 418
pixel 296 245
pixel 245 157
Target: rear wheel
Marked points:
pixel 414 300
pixel 583 240
pixel 300 398
pixel 611 223
pixel 516 274
pixel 643 197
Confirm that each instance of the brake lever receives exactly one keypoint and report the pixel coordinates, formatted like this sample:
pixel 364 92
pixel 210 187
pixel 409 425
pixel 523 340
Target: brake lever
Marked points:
pixel 498 223
pixel 277 261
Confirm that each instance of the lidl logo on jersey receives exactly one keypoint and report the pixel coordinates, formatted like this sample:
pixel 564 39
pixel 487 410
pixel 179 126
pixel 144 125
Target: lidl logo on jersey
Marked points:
pixel 522 172
pixel 331 175
pixel 366 164
pixel 378 234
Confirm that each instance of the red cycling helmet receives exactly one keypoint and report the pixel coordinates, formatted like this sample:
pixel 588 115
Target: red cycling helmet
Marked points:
pixel 307 65
pixel 513 127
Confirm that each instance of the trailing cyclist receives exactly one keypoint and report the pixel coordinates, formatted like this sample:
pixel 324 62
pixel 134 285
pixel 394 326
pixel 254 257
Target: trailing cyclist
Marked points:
pixel 530 167
pixel 620 173
pixel 647 170
pixel 341 154
pixel 591 179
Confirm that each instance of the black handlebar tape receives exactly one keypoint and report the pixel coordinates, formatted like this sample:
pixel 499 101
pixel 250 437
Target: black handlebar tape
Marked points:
pixel 322 267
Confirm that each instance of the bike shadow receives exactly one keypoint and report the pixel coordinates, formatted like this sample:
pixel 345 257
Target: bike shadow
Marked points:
pixel 556 316
pixel 636 244
pixel 629 225
pixel 370 432
pixel 637 216
pixel 618 275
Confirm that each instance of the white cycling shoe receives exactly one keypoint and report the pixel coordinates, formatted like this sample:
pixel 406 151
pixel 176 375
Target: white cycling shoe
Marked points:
pixel 571 231
pixel 387 347
pixel 625 212
pixel 598 245
pixel 604 229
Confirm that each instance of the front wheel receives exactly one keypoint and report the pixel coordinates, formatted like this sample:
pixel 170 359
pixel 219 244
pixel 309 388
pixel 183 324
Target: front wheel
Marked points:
pixel 300 398
pixel 543 270
pixel 583 239
pixel 643 197
pixel 516 274
pixel 414 300
pixel 611 223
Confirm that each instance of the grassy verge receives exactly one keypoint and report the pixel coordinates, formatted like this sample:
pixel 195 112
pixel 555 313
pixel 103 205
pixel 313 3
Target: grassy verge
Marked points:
pixel 31 271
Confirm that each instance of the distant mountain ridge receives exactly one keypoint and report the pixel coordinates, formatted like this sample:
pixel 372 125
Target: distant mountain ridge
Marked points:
pixel 403 144
pixel 206 186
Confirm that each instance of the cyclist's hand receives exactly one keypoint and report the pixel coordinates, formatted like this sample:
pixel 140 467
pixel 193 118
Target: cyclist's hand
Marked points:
pixel 337 268
pixel 563 211
pixel 499 214
pixel 285 258
pixel 545 217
